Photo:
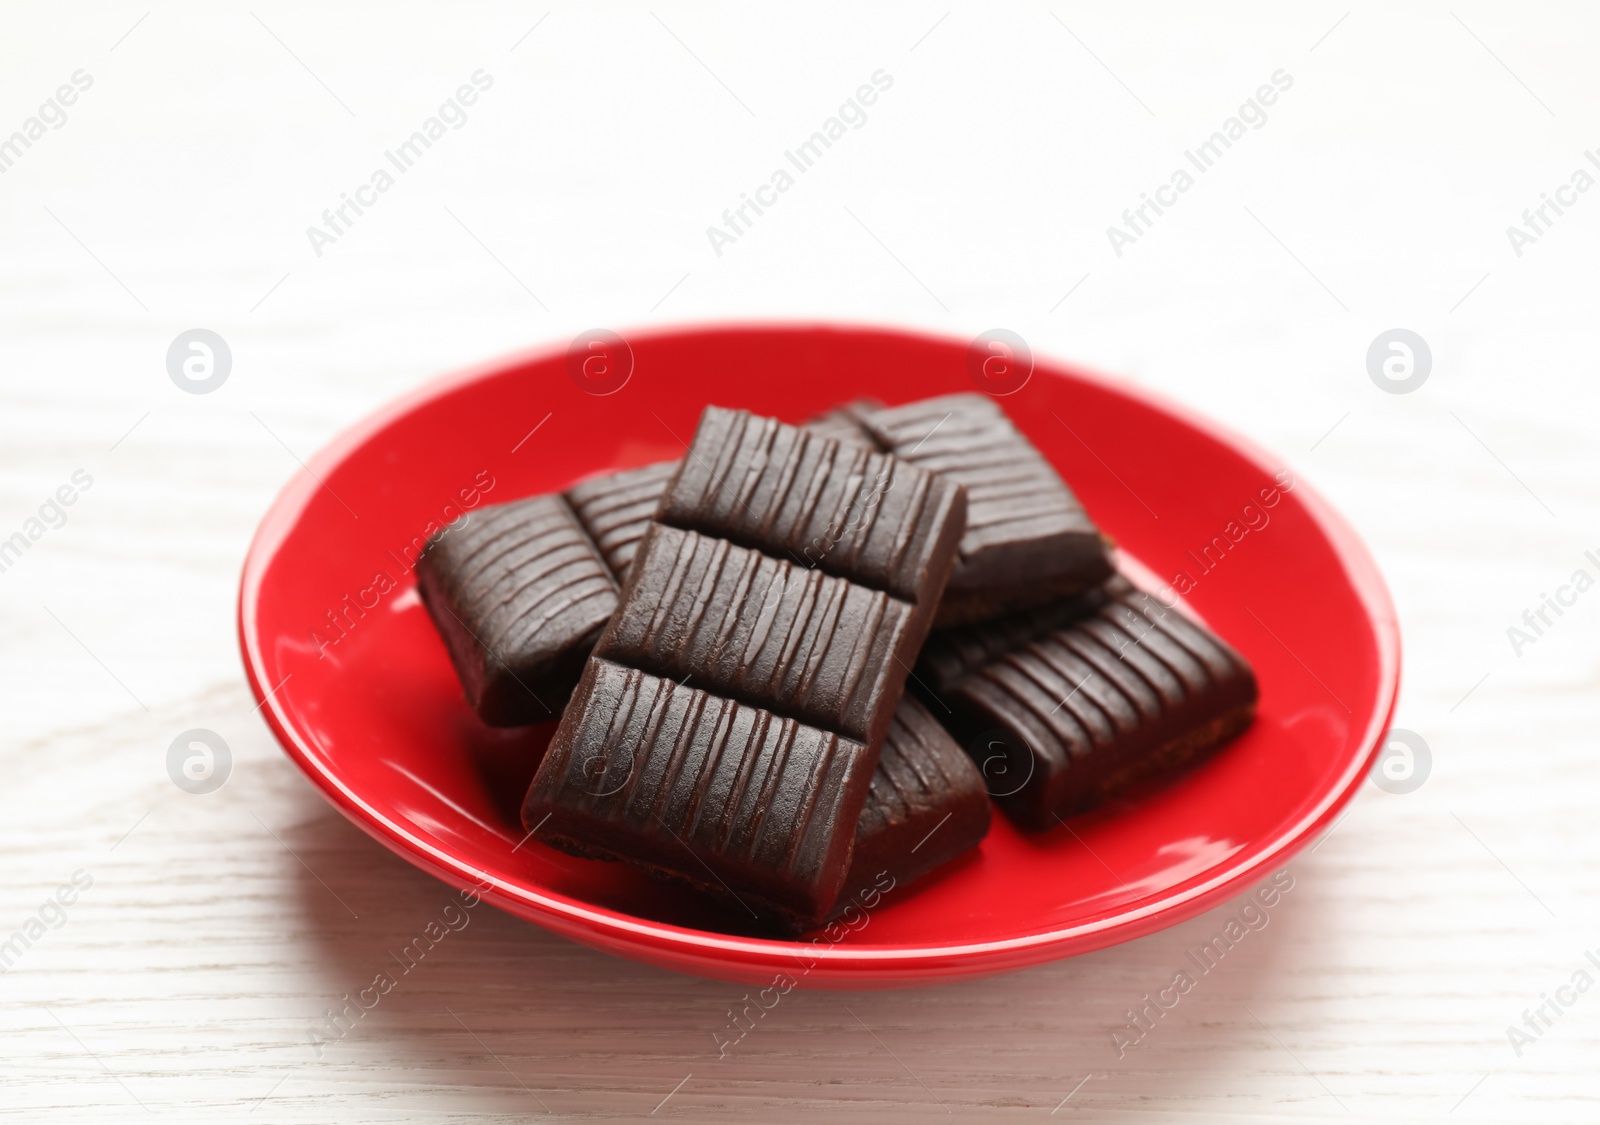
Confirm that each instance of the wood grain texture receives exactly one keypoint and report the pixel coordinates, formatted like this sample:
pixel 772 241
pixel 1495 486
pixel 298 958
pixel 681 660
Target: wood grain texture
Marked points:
pixel 219 929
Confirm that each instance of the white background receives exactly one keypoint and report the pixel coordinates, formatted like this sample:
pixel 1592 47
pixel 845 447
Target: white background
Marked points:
pixel 977 195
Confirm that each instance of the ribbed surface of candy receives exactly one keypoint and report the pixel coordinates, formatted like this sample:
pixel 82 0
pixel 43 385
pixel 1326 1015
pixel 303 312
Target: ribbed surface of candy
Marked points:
pixel 803 643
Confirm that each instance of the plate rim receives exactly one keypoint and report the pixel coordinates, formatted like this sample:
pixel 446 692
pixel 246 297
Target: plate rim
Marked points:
pixel 683 946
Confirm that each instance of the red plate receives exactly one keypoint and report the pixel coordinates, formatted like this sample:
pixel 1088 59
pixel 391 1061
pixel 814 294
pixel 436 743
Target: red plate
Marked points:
pixel 360 692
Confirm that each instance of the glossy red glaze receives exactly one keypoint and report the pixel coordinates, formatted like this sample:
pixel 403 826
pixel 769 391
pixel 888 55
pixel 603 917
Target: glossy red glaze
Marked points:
pixel 376 718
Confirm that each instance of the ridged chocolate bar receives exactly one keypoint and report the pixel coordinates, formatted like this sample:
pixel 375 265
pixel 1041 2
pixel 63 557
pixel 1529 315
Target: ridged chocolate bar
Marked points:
pixel 927 804
pixel 840 507
pixel 844 423
pixel 952 653
pixel 616 509
pixel 1028 540
pixel 519 594
pixel 698 788
pixel 723 593
pixel 1065 720
pixel 766 632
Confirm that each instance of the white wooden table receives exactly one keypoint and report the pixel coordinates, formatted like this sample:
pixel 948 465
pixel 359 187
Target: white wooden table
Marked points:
pixel 208 933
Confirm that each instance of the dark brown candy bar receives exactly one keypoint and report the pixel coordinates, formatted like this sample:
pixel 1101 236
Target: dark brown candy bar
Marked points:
pixel 1065 720
pixel 1028 541
pixel 616 509
pixel 845 423
pixel 843 508
pixel 697 788
pixel 519 593
pixel 722 599
pixel 958 650
pixel 764 631
pixel 518 598
pixel 927 804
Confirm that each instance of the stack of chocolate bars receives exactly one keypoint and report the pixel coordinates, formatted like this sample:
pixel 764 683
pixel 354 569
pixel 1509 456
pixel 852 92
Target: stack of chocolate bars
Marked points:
pixel 727 642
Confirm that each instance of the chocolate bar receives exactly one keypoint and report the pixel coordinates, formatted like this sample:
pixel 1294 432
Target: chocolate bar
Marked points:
pixel 765 631
pixel 615 510
pixel 844 509
pixel 792 578
pixel 927 804
pixel 1028 540
pixel 1074 714
pixel 958 650
pixel 518 598
pixel 520 594
pixel 700 789
pixel 845 423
